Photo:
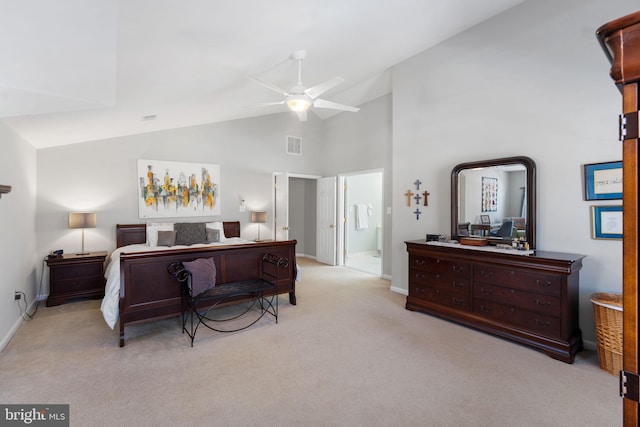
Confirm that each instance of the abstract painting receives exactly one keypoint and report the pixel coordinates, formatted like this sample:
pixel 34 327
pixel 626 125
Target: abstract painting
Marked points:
pixel 175 189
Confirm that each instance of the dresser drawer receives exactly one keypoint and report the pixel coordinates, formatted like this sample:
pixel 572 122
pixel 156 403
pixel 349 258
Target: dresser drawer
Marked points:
pixel 441 295
pixel 514 316
pixel 79 284
pixel 64 272
pixel 519 279
pixel 462 269
pixel 538 303
pixel 435 279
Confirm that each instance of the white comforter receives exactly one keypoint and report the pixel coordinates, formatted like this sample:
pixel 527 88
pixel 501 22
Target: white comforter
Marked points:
pixel 111 300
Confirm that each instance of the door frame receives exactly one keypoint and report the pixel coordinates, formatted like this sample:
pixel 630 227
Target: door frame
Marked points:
pixel 342 217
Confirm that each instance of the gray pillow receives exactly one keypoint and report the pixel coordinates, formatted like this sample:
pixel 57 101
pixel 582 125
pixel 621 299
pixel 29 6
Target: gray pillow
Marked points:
pixel 203 274
pixel 189 233
pixel 166 238
pixel 213 235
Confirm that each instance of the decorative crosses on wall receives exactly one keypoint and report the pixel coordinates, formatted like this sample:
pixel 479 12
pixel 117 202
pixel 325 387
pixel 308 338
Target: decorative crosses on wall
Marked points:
pixel 417 196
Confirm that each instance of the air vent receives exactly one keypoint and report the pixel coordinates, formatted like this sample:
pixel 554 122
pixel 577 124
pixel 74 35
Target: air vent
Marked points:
pixel 294 145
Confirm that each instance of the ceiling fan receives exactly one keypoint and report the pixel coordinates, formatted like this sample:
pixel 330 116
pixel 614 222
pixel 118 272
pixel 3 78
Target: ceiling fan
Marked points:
pixel 299 98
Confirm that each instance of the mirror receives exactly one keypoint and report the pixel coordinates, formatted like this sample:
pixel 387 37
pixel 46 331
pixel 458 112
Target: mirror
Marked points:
pixel 487 194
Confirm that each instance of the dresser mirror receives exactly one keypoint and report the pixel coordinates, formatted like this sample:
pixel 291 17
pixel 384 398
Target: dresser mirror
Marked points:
pixel 502 189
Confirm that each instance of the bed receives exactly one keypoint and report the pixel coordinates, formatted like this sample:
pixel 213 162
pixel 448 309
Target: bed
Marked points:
pixel 139 288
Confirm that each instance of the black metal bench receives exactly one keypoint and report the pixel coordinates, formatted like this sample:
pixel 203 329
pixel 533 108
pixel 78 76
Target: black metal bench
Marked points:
pixel 261 292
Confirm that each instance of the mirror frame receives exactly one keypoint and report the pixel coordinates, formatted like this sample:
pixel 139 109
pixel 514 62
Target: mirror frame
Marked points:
pixel 530 166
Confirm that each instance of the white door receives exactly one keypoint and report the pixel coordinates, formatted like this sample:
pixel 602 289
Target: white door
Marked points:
pixel 281 206
pixel 326 221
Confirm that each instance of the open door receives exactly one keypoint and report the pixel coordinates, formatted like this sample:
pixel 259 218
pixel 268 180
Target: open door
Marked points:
pixel 281 206
pixel 326 221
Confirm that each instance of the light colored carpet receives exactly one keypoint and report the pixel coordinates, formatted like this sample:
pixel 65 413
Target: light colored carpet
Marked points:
pixel 348 354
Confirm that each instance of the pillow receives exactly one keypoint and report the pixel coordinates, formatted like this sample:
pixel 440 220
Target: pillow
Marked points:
pixel 203 274
pixel 218 226
pixel 213 235
pixel 152 231
pixel 189 233
pixel 166 238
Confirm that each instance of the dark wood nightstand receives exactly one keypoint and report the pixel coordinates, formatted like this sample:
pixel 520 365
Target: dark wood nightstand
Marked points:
pixel 76 276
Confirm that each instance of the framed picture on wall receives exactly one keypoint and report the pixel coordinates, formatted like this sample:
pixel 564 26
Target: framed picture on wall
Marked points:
pixel 603 181
pixel 489 194
pixel 485 219
pixel 606 222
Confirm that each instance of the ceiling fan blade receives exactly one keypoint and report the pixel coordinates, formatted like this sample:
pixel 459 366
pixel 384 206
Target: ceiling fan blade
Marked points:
pixel 323 103
pixel 266 104
pixel 269 86
pixel 302 115
pixel 319 89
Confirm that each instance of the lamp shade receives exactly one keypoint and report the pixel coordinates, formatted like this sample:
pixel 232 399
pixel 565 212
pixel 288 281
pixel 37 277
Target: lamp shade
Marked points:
pixel 82 220
pixel 259 216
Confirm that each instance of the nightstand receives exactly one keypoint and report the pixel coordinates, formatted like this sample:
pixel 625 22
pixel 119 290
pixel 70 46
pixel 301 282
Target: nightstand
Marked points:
pixel 76 276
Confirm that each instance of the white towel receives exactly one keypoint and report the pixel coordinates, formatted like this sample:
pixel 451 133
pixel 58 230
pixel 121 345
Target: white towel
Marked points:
pixel 362 216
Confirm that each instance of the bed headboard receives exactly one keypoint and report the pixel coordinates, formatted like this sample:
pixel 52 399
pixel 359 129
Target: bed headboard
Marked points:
pixel 131 234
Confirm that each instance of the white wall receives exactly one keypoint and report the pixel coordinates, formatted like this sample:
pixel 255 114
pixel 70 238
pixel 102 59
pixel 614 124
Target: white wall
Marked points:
pixel 18 259
pixel 533 81
pixel 100 176
pixel 362 142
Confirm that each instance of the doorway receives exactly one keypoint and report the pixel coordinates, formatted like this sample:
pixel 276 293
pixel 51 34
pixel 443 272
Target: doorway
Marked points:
pixel 362 228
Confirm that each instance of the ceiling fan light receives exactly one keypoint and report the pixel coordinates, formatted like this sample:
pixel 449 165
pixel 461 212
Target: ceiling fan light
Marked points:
pixel 298 104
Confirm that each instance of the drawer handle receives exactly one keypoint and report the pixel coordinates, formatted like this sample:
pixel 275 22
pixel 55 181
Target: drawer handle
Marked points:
pixel 546 303
pixel 543 324
pixel 420 261
pixel 457 269
pixel 420 276
pixel 483 292
pixel 420 290
pixel 486 273
pixel 437 276
pixel 458 285
pixel 543 283
pixel 486 309
pixel 457 301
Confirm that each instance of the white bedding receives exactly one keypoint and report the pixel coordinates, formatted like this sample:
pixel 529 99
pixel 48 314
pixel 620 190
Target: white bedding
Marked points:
pixel 111 300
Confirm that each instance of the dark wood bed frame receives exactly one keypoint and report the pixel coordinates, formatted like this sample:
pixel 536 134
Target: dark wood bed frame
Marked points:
pixel 149 292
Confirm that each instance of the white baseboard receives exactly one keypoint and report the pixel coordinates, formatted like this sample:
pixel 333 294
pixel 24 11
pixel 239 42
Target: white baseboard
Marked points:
pixel 16 325
pixel 306 256
pixel 399 290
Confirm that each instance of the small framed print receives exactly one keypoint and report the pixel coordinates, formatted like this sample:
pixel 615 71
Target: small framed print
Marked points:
pixel 606 222
pixel 485 219
pixel 603 181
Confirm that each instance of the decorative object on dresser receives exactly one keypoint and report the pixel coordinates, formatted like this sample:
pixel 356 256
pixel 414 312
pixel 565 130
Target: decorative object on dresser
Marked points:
pixel 530 298
pixel 4 189
pixel 75 276
pixel 82 220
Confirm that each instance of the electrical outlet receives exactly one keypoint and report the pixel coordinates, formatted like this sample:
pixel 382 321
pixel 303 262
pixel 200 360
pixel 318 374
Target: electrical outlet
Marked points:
pixel 17 296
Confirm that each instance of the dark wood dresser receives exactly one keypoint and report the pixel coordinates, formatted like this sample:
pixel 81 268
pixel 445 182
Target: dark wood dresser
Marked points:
pixel 76 276
pixel 530 299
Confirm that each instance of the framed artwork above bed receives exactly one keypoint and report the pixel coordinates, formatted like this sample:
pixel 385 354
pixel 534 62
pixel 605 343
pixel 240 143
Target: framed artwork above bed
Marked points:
pixel 177 189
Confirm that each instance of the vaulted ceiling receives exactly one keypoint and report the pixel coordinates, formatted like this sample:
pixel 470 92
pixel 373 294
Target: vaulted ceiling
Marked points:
pixel 79 70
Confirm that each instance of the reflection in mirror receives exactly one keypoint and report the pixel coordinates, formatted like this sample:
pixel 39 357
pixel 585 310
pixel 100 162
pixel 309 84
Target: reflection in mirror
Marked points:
pixel 496 198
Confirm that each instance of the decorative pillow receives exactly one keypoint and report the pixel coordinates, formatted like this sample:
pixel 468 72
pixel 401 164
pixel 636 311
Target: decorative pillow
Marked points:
pixel 213 235
pixel 203 274
pixel 152 231
pixel 189 233
pixel 218 226
pixel 166 238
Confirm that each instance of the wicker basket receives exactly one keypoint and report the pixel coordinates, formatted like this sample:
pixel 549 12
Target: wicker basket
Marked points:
pixel 607 315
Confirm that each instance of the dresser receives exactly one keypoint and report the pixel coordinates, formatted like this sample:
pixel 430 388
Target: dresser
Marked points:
pixel 531 299
pixel 76 276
